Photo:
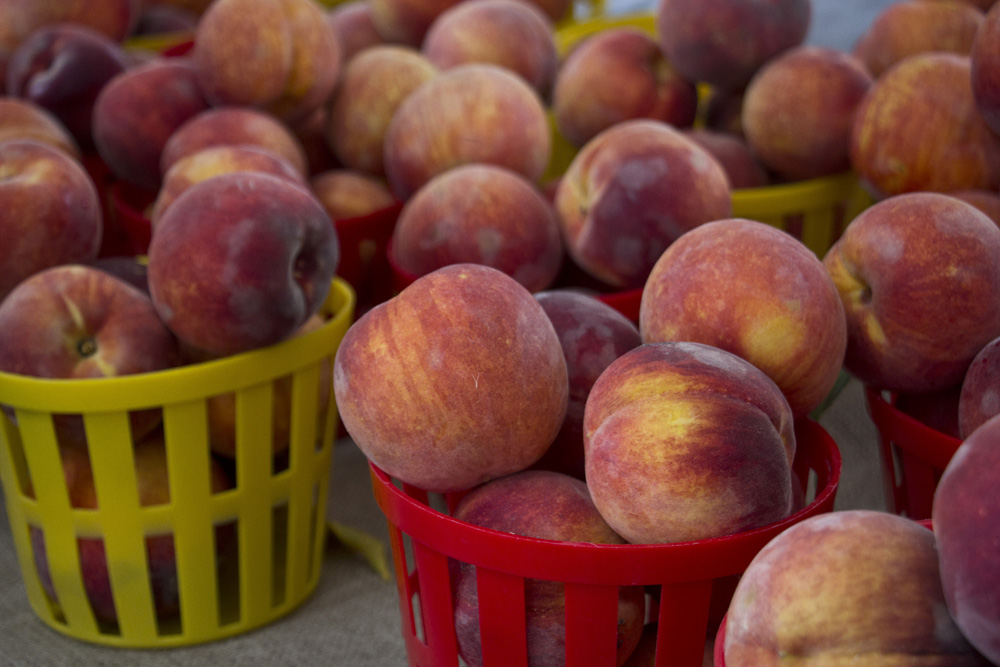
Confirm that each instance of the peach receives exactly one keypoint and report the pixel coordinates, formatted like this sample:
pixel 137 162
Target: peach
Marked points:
pixel 979 390
pixel 286 62
pixel 550 506
pixel 352 21
pixel 372 87
pixel 233 126
pixel 138 110
pixel 23 119
pixel 798 111
pixel 724 42
pixel 615 75
pixel 63 68
pixel 630 192
pixel 849 586
pixel 685 441
pixel 910 27
pixel 984 58
pixel 965 515
pixel 482 113
pixel 77 321
pixel 509 33
pixel 53 211
pixel 214 161
pixel 241 261
pixel 756 291
pixel 347 194
pixel 918 128
pixel 458 379
pixel 480 214
pixel 741 164
pixel 592 335
pixel 918 277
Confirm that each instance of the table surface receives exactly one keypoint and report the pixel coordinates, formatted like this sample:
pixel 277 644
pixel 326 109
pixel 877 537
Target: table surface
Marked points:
pixel 353 616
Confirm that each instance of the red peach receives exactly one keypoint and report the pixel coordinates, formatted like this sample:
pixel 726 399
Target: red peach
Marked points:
pixel 756 291
pixel 458 379
pixel 480 214
pixel 372 87
pixel 630 192
pixel 481 113
pixel 685 441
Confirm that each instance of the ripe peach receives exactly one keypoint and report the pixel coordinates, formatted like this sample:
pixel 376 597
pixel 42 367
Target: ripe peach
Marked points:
pixel 910 27
pixel 798 111
pixel 53 210
pixel 919 128
pixel 138 110
pixel 373 85
pixel 513 34
pixel 490 379
pixel 286 62
pixel 545 505
pixel 481 113
pixel 630 192
pixel 615 75
pixel 480 214
pixel 857 583
pixel 965 513
pixel 756 291
pixel 353 23
pixel 902 267
pixel 685 441
pixel 979 390
pixel 63 68
pixel 724 42
pixel 241 261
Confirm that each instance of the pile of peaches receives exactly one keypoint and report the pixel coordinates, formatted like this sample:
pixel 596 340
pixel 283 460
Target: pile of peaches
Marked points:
pixel 283 117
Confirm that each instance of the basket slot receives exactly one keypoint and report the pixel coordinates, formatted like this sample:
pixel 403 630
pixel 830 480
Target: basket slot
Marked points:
pixel 14 460
pixel 591 624
pixel 683 614
pixel 436 611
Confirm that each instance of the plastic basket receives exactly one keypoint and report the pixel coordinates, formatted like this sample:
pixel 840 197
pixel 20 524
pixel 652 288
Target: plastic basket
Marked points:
pixel 912 455
pixel 423 539
pixel 274 513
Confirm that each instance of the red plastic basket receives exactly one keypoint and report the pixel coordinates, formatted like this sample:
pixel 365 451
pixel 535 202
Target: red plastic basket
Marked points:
pixel 424 538
pixel 913 456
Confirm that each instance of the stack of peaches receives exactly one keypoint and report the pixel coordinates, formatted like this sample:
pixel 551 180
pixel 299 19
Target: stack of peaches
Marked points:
pixel 495 363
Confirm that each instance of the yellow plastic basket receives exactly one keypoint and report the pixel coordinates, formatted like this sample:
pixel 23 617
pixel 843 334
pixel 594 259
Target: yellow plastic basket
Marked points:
pixel 276 509
pixel 815 211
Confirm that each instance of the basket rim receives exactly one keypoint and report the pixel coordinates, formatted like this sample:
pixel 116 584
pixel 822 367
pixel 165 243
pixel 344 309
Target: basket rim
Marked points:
pixel 188 382
pixel 605 563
